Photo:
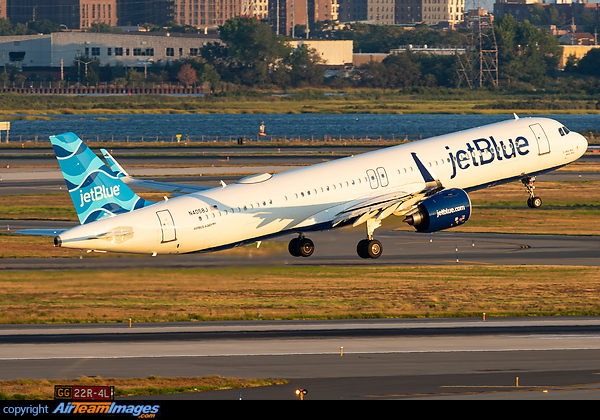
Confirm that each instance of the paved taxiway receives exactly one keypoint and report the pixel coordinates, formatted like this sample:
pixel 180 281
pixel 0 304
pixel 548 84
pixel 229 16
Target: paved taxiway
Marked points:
pixel 539 358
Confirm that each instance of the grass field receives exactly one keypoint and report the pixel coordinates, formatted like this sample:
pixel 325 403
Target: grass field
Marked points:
pixel 44 389
pixel 156 295
pixel 449 101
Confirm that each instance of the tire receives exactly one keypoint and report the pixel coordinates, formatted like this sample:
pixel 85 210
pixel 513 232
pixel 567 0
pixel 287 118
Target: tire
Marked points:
pixel 374 248
pixel 536 202
pixel 306 247
pixel 361 249
pixel 294 247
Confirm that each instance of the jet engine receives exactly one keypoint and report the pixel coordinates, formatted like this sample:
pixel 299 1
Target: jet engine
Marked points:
pixel 446 209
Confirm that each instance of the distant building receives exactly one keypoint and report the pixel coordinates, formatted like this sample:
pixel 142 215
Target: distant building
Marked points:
pixel 403 12
pixel 381 12
pixel 97 11
pixel 443 11
pixel 575 12
pixel 334 53
pixel 206 13
pixel 577 51
pixel 3 14
pixel 579 38
pixel 73 14
pixel 353 10
pixel 408 11
pixel 136 12
pixel 284 15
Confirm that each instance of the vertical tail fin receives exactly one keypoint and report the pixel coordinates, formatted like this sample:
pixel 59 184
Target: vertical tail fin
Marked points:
pixel 96 191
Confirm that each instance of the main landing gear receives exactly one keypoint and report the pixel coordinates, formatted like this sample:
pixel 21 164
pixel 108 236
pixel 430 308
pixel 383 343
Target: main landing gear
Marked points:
pixel 301 247
pixel 369 247
pixel 533 201
pixel 366 248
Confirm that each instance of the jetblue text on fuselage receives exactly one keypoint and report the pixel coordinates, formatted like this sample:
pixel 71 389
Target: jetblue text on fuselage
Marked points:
pixel 487 150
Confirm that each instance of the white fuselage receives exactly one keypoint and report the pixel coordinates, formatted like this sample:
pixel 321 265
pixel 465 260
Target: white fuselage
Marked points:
pixel 309 198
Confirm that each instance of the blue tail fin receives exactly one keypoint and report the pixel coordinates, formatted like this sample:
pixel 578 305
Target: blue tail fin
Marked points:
pixel 96 191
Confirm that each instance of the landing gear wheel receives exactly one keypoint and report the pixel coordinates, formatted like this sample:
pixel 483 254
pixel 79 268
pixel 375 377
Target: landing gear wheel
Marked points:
pixel 306 247
pixel 361 248
pixel 301 247
pixel 534 202
pixel 369 248
pixel 294 247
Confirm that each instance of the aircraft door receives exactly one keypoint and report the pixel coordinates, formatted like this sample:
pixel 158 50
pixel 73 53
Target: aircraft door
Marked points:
pixel 167 226
pixel 541 138
pixel 372 178
pixel 382 177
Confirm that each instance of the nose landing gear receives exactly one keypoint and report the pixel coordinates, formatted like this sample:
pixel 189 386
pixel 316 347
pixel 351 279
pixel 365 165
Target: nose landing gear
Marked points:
pixel 533 201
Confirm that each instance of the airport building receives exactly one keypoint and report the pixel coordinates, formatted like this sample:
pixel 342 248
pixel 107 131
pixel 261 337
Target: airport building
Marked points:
pixel 333 53
pixel 61 49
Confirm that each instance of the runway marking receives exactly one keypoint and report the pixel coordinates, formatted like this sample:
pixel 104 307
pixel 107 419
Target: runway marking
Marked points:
pixel 468 262
pixel 333 353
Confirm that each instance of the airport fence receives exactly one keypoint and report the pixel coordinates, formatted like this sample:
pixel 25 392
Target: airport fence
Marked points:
pixel 203 139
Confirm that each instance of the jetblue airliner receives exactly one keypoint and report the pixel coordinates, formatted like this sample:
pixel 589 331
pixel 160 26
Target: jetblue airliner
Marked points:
pixel 425 183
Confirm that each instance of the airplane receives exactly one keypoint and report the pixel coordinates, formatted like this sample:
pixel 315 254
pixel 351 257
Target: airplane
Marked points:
pixel 426 183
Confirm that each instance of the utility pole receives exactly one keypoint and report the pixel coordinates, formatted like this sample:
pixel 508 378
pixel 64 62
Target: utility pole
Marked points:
pixel 78 66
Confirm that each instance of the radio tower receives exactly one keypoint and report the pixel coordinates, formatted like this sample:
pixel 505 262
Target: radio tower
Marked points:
pixel 479 65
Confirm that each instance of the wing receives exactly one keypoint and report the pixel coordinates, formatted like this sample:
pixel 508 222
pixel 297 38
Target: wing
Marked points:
pixel 396 202
pixel 155 185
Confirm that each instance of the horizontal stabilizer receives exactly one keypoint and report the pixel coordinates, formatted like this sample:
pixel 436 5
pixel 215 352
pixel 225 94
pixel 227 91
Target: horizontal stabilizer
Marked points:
pixel 40 232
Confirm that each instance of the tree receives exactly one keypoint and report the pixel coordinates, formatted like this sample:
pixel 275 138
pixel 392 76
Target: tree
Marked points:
pixel 255 51
pixel 304 67
pixel 187 75
pixel 589 64
pixel 525 53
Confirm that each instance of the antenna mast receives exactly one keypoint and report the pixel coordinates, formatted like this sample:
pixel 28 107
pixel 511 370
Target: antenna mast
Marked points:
pixel 479 65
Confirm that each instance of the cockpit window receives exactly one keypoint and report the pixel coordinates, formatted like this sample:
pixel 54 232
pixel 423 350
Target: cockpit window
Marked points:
pixel 560 130
pixel 563 131
pixel 566 130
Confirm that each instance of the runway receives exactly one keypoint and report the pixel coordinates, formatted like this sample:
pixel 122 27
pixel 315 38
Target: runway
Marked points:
pixel 541 358
pixel 339 248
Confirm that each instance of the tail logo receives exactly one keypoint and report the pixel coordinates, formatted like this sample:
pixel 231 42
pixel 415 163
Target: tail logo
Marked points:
pixel 96 191
pixel 99 192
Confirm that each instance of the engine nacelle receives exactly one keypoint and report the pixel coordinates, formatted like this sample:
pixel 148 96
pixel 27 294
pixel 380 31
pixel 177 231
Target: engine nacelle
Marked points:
pixel 446 209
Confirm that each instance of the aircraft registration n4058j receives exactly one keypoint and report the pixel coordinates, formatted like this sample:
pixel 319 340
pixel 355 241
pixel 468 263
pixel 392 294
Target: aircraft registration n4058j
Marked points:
pixel 425 183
